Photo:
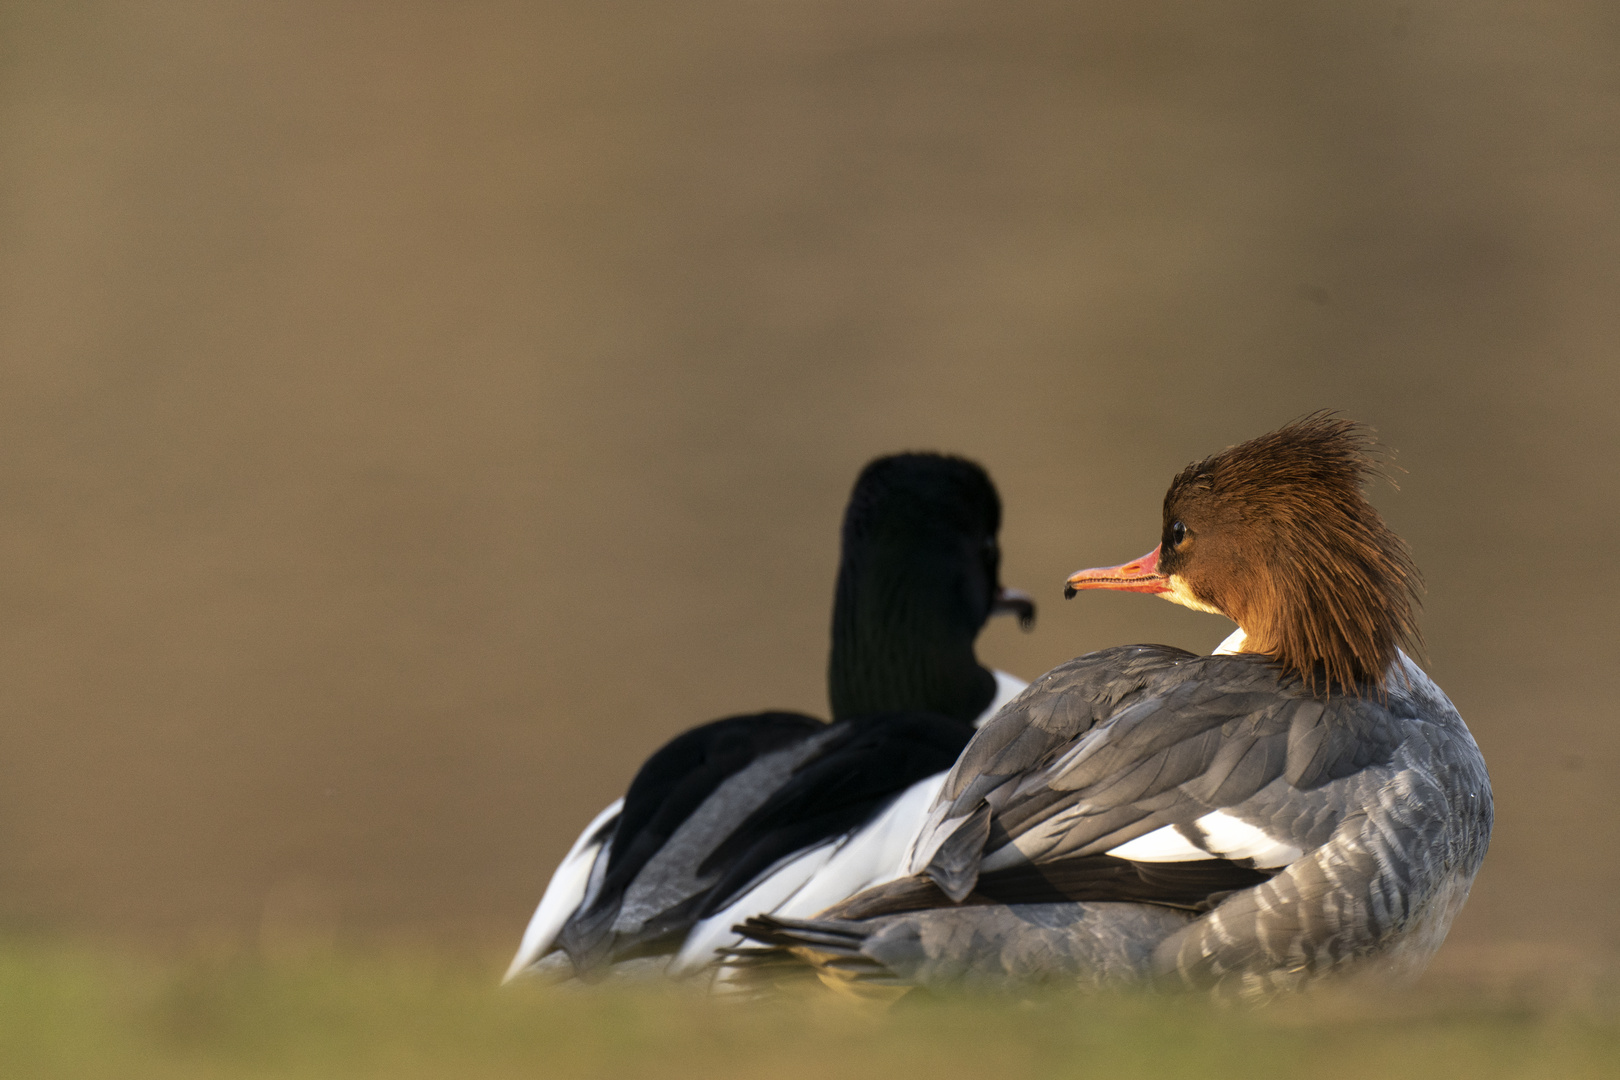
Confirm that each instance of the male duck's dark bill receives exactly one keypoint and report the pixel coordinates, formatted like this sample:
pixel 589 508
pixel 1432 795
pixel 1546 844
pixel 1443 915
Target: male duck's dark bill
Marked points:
pixel 1139 575
pixel 1010 601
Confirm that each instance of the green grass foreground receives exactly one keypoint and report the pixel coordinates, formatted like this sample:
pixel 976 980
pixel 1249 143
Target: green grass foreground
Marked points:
pixel 75 1013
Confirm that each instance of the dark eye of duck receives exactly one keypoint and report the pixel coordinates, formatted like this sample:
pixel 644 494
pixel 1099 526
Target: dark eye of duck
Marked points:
pixel 1178 533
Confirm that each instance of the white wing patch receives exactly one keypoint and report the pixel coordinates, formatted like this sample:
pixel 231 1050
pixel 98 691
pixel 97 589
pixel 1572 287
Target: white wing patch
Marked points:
pixel 1234 838
pixel 1232 644
pixel 1223 836
pixel 562 896
pixel 1161 845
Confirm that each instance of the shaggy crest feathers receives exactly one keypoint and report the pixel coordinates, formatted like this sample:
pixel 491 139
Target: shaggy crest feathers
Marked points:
pixel 1332 589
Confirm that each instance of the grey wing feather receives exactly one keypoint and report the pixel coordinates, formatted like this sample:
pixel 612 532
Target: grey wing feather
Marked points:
pixel 1043 720
pixel 1054 710
pixel 1165 739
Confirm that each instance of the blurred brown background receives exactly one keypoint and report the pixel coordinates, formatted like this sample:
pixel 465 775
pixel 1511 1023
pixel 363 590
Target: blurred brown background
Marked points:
pixel 414 413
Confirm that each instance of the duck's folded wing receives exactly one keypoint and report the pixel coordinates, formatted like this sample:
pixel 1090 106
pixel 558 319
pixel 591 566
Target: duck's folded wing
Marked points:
pixel 1047 715
pixel 1171 757
pixel 844 786
pixel 683 801
pixel 686 771
pixel 1007 688
pixel 817 877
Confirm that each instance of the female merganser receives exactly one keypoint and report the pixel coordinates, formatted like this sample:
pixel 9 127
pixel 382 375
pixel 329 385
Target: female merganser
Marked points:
pixel 1243 823
pixel 747 809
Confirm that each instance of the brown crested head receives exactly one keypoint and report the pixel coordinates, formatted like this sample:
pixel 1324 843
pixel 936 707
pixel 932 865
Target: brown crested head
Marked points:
pixel 1277 534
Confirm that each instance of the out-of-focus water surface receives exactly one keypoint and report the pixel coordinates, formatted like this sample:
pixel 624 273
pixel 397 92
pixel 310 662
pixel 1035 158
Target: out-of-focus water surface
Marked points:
pixel 414 413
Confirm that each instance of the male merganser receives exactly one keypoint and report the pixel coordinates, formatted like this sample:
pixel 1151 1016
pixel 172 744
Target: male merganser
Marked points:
pixel 1243 823
pixel 747 809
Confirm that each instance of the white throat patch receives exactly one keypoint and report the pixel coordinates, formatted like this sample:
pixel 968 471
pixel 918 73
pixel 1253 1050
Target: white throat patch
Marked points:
pixel 1181 593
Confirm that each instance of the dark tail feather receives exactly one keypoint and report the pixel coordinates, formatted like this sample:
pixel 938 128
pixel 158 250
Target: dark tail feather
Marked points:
pixel 822 935
pixel 790 949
